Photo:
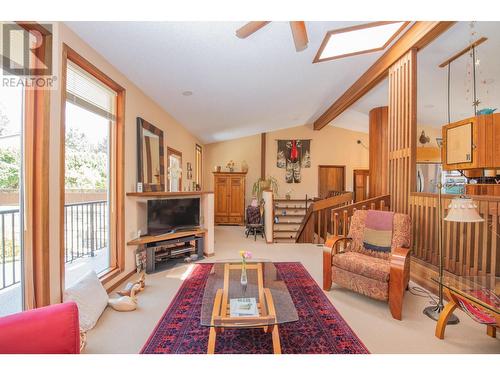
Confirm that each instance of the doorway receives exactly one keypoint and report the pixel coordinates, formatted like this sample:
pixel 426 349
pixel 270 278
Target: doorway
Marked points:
pixel 360 184
pixel 330 178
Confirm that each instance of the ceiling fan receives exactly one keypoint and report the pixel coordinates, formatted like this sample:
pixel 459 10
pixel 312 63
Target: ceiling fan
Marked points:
pixel 299 32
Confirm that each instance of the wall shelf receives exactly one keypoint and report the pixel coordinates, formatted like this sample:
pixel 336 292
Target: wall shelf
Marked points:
pixel 167 194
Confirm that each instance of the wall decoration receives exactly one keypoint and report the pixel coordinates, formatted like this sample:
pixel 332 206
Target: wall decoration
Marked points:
pixel 189 170
pixel 293 155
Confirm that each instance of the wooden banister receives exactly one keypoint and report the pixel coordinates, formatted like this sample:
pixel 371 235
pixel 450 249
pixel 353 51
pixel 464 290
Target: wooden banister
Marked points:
pixel 469 249
pixel 331 216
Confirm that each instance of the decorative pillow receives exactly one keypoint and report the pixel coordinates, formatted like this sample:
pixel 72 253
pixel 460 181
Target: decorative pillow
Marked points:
pixel 90 297
pixel 378 231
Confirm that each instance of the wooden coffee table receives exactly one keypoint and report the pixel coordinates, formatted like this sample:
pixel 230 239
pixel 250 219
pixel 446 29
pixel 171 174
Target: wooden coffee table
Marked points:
pixel 274 303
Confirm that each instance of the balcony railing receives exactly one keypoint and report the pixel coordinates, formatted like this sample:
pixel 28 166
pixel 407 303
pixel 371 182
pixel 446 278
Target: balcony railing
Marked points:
pixel 85 232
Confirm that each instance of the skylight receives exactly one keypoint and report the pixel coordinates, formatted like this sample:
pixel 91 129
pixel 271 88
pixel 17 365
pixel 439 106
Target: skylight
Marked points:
pixel 359 39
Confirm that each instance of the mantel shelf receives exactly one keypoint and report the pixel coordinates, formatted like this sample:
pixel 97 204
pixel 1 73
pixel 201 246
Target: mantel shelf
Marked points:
pixel 166 194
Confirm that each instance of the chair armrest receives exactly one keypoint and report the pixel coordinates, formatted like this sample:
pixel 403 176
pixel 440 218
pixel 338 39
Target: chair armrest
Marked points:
pixel 332 243
pixel 398 279
pixel 47 330
pixel 329 249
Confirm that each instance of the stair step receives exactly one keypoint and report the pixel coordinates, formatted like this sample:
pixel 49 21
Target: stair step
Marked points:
pixel 291 215
pixel 289 207
pixel 285 230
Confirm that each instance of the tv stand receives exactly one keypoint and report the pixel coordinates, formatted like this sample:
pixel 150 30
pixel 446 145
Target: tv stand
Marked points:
pixel 162 248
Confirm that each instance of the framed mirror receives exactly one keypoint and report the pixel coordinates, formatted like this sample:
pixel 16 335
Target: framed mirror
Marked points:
pixel 150 156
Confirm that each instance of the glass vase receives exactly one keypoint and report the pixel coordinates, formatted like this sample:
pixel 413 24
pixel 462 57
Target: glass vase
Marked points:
pixel 243 278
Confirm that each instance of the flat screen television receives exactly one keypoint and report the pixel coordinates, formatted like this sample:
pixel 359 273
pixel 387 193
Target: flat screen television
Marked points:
pixel 170 215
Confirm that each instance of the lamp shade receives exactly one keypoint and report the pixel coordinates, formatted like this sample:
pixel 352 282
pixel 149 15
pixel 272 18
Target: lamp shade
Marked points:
pixel 463 210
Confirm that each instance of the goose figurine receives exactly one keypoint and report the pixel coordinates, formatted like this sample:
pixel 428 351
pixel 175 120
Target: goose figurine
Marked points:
pixel 126 303
pixel 126 291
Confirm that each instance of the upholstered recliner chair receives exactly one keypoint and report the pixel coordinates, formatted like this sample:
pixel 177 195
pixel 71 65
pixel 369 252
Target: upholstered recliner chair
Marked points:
pixel 379 273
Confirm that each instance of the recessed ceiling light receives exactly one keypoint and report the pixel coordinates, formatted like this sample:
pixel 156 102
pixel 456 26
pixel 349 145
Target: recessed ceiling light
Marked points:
pixel 187 93
pixel 355 40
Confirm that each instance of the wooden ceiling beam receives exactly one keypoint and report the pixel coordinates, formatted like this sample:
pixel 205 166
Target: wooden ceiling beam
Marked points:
pixel 420 34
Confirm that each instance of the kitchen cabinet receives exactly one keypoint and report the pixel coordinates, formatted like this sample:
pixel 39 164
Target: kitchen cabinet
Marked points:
pixel 472 143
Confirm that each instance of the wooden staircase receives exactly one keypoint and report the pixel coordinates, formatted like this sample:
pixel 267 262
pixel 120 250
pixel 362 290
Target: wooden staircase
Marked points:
pixel 288 216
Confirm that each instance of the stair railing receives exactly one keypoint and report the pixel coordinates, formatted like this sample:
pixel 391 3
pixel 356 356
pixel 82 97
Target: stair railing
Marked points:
pixel 323 219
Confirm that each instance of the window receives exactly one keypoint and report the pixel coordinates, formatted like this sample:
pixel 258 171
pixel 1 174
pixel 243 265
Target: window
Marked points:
pixel 174 171
pixel 93 177
pixel 198 166
pixel 24 209
pixel 357 40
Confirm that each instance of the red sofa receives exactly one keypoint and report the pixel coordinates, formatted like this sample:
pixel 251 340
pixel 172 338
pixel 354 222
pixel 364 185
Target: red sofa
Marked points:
pixel 48 330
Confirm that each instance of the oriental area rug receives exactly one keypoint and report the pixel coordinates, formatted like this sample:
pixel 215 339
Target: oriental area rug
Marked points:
pixel 319 330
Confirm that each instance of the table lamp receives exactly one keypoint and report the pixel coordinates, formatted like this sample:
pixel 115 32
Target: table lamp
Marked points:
pixel 461 210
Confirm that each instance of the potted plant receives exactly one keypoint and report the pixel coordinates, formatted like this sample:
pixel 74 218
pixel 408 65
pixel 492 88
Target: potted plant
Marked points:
pixel 269 183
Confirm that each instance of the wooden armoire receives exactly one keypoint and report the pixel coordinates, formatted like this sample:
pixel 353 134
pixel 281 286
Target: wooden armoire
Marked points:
pixel 229 197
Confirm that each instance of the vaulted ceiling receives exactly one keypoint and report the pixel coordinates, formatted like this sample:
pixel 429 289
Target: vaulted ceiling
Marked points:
pixel 239 86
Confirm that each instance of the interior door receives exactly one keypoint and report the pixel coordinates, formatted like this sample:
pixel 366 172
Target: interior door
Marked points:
pixel 236 197
pixel 360 184
pixel 221 197
pixel 330 178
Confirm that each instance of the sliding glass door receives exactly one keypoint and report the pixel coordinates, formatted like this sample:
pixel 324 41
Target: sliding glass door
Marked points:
pixel 11 199
pixel 89 132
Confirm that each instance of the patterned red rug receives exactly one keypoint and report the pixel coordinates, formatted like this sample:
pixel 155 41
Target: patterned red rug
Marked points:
pixel 319 330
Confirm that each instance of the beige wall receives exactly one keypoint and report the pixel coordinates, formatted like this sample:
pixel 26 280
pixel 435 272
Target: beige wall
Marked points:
pixel 329 146
pixel 239 150
pixel 137 104
pixel 430 131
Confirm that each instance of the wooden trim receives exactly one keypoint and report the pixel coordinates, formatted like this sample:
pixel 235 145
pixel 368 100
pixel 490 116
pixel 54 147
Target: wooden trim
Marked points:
pixel 199 168
pixel 36 139
pixel 117 190
pixel 263 156
pixel 402 131
pixel 113 286
pixel 329 34
pixel 462 52
pixel 172 151
pixel 419 35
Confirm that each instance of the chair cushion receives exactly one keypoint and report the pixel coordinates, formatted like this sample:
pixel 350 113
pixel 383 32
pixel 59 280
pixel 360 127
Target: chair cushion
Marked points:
pixel 401 234
pixel 369 287
pixel 361 264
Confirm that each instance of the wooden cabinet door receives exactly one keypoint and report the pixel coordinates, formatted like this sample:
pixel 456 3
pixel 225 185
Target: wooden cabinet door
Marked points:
pixel 221 197
pixel 237 198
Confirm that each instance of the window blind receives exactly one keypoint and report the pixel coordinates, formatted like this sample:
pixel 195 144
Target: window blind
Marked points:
pixel 85 91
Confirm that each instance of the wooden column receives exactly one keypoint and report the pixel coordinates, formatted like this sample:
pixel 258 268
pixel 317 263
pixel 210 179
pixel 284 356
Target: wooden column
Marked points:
pixel 379 154
pixel 263 155
pixel 402 130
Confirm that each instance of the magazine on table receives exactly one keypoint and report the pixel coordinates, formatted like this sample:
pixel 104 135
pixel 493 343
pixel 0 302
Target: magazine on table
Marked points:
pixel 243 307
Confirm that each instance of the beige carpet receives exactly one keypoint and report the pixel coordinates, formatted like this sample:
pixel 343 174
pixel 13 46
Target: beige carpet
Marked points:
pixel 371 320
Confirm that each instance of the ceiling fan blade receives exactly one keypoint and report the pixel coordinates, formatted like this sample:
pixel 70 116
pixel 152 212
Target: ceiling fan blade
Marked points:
pixel 250 28
pixel 299 33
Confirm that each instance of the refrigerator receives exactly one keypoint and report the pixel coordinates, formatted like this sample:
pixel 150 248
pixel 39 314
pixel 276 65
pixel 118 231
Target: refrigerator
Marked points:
pixel 428 177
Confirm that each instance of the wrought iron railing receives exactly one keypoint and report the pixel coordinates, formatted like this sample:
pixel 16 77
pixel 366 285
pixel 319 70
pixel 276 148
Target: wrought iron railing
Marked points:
pixel 85 229
pixel 85 232
pixel 10 250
